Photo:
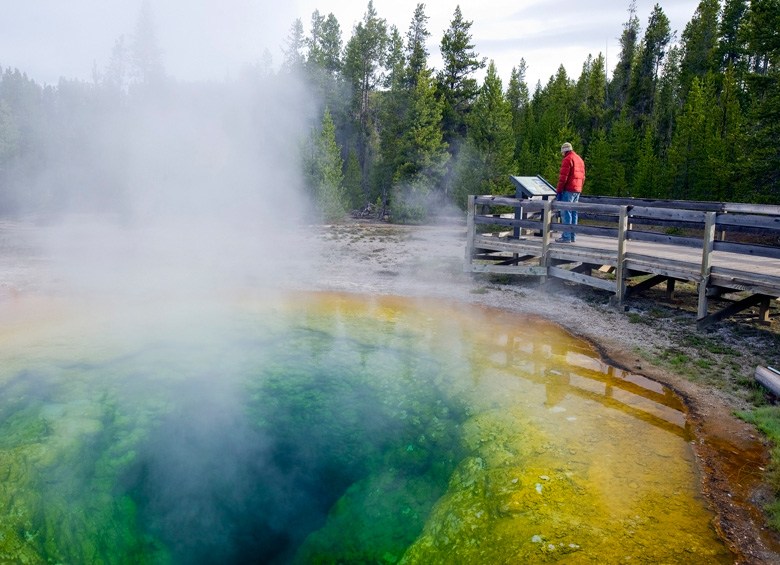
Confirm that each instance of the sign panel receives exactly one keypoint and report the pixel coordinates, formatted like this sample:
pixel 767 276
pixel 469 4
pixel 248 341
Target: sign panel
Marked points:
pixel 533 186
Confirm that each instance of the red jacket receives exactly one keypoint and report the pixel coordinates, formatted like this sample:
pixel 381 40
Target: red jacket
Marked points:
pixel 572 175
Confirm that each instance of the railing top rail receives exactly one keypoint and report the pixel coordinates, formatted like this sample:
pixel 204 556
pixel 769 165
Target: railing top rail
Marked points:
pixel 587 207
pixel 766 223
pixel 654 203
pixel 672 214
pixel 505 201
pixel 747 215
pixel 700 205
pixel 535 205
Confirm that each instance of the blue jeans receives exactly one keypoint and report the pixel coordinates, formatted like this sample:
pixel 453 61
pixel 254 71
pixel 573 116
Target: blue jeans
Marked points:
pixel 569 217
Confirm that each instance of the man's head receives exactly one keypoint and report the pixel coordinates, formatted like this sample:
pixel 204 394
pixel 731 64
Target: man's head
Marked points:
pixel 565 148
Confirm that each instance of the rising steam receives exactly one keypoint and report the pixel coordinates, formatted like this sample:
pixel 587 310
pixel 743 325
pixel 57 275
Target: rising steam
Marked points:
pixel 183 188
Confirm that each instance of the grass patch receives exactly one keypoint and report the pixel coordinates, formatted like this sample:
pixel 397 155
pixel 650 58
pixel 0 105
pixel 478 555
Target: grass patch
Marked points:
pixel 767 419
pixel 658 313
pixel 709 344
pixel 676 358
pixel 500 279
pixel 704 363
pixel 635 318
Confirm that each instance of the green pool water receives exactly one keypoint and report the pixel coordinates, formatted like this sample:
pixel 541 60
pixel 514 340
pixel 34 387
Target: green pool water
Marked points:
pixel 326 428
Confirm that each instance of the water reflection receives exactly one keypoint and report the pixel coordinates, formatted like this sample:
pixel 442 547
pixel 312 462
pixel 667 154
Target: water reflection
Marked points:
pixel 565 371
pixel 333 428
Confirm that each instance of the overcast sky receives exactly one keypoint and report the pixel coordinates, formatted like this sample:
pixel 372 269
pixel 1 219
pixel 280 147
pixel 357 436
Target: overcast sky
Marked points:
pixel 214 39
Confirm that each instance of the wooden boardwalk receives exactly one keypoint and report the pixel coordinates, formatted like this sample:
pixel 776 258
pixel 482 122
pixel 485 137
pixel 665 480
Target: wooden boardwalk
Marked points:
pixel 640 243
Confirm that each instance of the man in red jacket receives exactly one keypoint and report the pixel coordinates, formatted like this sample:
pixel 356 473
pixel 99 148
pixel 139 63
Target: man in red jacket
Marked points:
pixel 569 188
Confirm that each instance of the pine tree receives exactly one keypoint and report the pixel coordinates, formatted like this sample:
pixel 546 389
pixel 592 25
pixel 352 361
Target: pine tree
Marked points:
pixel 416 51
pixel 603 174
pixel 621 77
pixel 764 85
pixel 526 157
pixel 9 149
pixel 294 47
pixel 693 172
pixel 642 89
pixel 590 96
pixel 365 56
pixel 324 43
pixel 525 162
pixel 325 172
pixel 732 148
pixel 145 51
pixel 115 76
pixel 323 66
pixel 732 43
pixel 423 153
pixel 647 175
pixel 552 123
pixel 668 102
pixel 393 111
pixel 467 173
pixel 548 158
pixel 457 84
pixel 700 43
pixel 518 96
pixel 9 134
pixel 490 133
pixel 353 185
pixel 623 154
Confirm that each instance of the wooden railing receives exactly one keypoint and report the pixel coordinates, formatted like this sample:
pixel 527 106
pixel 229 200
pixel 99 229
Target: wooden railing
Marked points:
pixel 721 247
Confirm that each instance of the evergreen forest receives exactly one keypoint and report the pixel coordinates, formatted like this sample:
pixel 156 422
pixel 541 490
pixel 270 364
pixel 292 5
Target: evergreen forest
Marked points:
pixel 688 115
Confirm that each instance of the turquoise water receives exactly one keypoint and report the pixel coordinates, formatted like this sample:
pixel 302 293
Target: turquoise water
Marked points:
pixel 332 429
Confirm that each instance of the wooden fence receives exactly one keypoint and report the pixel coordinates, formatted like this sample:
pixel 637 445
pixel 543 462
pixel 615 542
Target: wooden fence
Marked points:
pixel 626 245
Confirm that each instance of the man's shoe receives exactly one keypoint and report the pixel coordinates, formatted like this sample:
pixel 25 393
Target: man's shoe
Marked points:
pixel 562 240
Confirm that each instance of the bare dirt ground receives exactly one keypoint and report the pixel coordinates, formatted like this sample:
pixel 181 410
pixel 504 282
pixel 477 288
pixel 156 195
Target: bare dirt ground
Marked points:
pixel 712 370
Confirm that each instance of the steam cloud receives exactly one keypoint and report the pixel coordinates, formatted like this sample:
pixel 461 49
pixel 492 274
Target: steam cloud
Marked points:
pixel 189 188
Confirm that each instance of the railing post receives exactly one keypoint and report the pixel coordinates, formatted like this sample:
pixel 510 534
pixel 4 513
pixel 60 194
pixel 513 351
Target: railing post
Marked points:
pixel 708 244
pixel 620 272
pixel 544 260
pixel 470 231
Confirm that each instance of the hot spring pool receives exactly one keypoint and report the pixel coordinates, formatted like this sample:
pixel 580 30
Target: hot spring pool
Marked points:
pixel 321 428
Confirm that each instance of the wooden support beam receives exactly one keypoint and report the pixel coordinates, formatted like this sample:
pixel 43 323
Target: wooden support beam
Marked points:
pixel 544 260
pixel 583 268
pixel 555 262
pixel 733 308
pixel 470 232
pixel 670 282
pixel 651 282
pixel 646 284
pixel 708 244
pixel 763 311
pixel 567 275
pixel 515 260
pixel 620 265
pixel 530 270
pixel 716 291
